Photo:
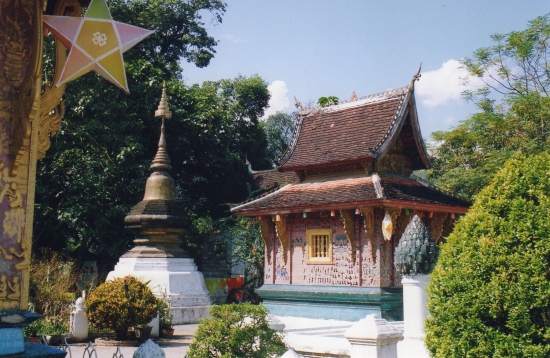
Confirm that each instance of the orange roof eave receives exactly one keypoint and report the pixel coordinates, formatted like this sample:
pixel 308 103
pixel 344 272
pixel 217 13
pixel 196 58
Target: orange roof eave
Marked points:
pixel 401 204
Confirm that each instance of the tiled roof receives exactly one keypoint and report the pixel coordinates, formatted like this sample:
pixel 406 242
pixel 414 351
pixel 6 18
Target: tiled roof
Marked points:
pixel 404 189
pixel 353 191
pixel 317 193
pixel 270 178
pixel 344 132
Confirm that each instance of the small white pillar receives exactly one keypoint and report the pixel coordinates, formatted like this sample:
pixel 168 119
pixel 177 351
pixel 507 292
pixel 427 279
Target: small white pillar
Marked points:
pixel 373 337
pixel 155 323
pixel 79 322
pixel 415 312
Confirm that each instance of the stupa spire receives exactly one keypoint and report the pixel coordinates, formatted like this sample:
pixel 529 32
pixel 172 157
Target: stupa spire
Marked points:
pixel 160 185
pixel 162 161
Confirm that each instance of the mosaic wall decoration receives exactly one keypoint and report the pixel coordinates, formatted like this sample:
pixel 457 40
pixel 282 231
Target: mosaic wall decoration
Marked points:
pixel 369 269
pixel 269 261
pixel 342 271
pixel 282 270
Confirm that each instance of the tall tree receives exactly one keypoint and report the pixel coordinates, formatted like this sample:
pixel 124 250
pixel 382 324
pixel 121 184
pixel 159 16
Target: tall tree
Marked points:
pixel 516 67
pixel 179 30
pixel 278 128
pixel 96 168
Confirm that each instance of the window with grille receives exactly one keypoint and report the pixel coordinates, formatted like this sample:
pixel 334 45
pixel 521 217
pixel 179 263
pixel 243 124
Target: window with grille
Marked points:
pixel 319 246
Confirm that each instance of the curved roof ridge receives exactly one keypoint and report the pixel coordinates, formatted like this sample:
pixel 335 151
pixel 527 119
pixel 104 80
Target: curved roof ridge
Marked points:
pixel 261 198
pixel 398 115
pixel 344 104
pixel 293 141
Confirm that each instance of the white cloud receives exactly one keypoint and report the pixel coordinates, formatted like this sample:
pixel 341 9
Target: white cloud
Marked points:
pixel 279 100
pixel 445 84
pixel 233 39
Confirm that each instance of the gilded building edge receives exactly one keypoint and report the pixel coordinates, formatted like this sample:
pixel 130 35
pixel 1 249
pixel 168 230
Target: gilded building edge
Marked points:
pixel 29 115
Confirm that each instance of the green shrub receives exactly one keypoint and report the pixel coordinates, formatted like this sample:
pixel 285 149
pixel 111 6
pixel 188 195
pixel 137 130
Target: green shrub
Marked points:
pixel 237 331
pixel 121 304
pixel 489 295
pixel 165 317
pixel 49 325
pixel 52 291
pixel 52 286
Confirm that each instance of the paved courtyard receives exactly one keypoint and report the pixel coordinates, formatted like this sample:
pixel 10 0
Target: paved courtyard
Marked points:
pixel 176 347
pixel 302 334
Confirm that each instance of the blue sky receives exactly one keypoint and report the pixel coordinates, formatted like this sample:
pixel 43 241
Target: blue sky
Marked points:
pixel 314 48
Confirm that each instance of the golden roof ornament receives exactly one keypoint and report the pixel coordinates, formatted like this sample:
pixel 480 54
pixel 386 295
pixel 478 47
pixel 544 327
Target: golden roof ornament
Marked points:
pixel 416 77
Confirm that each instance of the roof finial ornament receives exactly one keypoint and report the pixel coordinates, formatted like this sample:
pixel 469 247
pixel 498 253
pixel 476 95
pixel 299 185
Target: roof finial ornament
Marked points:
pixel 162 161
pixel 415 78
pixel 353 97
pixel 298 104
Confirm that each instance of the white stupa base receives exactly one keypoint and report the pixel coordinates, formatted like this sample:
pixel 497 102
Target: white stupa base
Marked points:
pixel 412 348
pixel 173 278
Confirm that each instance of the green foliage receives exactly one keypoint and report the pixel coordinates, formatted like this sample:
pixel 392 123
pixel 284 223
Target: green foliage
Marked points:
pixel 467 157
pixel 165 317
pixel 517 63
pixel 121 304
pixel 49 325
pixel 237 331
pixel 52 283
pixel 96 168
pixel 249 248
pixel 52 291
pixel 179 30
pixel 328 101
pixel 278 129
pixel 489 295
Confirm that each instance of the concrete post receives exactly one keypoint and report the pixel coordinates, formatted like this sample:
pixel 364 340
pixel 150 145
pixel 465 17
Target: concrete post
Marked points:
pixel 79 322
pixel 415 312
pixel 373 337
pixel 155 323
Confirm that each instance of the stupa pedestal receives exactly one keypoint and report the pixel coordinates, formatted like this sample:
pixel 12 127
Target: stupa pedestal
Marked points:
pixel 157 222
pixel 176 279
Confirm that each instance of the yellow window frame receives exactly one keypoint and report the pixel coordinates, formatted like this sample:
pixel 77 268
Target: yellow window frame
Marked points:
pixel 319 246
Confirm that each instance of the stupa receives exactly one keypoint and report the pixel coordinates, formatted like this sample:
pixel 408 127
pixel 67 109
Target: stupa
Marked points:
pixel 157 223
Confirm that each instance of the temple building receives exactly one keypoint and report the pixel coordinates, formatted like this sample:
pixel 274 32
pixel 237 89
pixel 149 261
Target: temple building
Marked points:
pixel 339 202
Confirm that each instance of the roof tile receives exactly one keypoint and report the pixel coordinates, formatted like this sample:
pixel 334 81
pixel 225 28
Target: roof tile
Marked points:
pixel 349 190
pixel 349 133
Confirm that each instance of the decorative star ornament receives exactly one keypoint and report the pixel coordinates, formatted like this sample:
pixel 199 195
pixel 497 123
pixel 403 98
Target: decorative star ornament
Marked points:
pixel 96 43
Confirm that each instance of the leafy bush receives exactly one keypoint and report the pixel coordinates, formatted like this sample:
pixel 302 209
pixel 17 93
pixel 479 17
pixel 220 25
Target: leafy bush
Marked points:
pixel 165 317
pixel 52 283
pixel 489 295
pixel 121 304
pixel 52 291
pixel 249 250
pixel 49 325
pixel 237 330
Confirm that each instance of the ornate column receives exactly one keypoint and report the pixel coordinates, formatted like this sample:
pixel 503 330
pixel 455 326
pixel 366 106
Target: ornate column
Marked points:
pixel 27 119
pixel 415 258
